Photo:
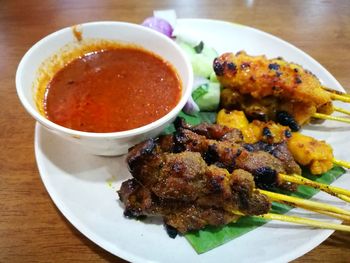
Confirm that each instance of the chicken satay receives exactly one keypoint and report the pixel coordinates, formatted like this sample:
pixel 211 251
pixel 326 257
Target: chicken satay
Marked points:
pixel 255 131
pixel 270 85
pixel 314 154
pixel 306 151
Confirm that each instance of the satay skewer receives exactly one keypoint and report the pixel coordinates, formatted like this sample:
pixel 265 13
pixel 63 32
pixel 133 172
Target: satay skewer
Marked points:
pixel 330 117
pixel 341 163
pixel 311 208
pixel 342 98
pixel 299 220
pixel 338 109
pixel 311 205
pixel 331 214
pixel 338 192
pixel 337 92
pixel 261 78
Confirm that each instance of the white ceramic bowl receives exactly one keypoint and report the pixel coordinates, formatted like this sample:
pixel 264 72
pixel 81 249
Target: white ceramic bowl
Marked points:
pixel 115 143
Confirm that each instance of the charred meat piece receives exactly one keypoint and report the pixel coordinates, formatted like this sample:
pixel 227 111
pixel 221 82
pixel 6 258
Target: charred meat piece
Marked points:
pixel 280 151
pixel 182 216
pixel 230 156
pixel 186 177
pixel 172 185
pixel 200 175
pixel 211 131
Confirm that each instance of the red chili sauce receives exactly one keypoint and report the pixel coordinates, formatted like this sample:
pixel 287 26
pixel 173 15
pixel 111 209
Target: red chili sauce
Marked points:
pixel 112 90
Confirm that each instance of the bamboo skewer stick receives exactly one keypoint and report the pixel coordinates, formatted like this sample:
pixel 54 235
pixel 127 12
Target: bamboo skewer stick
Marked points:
pixel 305 221
pixel 333 190
pixel 341 110
pixel 300 220
pixel 331 214
pixel 342 97
pixel 305 203
pixel 324 212
pixel 333 91
pixel 341 163
pixel 329 117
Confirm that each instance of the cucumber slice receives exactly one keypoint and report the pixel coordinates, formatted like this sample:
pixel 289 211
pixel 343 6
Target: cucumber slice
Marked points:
pixel 202 63
pixel 202 66
pixel 189 50
pixel 211 99
pixel 209 52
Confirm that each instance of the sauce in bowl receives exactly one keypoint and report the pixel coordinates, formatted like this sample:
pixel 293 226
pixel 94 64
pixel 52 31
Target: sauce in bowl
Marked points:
pixel 112 90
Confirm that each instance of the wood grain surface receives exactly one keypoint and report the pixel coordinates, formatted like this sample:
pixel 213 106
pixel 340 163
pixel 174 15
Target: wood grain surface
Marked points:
pixel 31 228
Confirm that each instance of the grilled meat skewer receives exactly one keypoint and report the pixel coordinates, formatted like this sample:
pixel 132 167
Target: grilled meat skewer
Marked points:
pixel 175 184
pixel 270 89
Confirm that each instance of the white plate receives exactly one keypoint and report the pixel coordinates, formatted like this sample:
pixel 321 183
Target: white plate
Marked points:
pixel 84 186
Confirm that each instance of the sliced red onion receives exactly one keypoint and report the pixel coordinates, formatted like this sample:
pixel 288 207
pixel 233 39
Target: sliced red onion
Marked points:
pixel 159 25
pixel 166 14
pixel 191 107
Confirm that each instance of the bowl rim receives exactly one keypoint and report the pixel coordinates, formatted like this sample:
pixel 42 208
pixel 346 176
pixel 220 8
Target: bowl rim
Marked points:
pixel 120 134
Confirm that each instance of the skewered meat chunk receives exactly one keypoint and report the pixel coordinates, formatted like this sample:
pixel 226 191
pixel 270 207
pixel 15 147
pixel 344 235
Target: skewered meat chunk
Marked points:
pixel 212 131
pixel 255 131
pixel 262 86
pixel 183 216
pixel 231 155
pixel 317 155
pixel 305 150
pixel 175 184
pixel 186 177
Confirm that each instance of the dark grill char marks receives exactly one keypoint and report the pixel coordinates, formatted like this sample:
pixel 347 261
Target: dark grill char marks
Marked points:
pixel 211 131
pixel 231 155
pixel 280 151
pixel 182 216
pixel 187 192
pixel 195 177
pixel 186 177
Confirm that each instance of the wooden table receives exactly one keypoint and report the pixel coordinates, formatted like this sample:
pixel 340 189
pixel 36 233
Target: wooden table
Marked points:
pixel 31 227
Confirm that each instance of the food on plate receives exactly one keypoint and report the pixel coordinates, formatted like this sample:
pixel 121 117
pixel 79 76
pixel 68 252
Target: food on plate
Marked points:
pixel 271 89
pixel 307 151
pixel 187 192
pixel 206 89
pixel 113 89
pixel 159 24
pixel 225 148
pixel 206 175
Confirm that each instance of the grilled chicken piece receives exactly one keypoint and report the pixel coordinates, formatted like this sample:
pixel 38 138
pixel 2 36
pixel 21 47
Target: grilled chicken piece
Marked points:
pixel 267 86
pixel 309 152
pixel 281 142
pixel 254 131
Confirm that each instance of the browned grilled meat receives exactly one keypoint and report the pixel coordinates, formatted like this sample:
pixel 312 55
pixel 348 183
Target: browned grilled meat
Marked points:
pixel 278 150
pixel 183 216
pixel 186 177
pixel 195 177
pixel 212 131
pixel 254 158
pixel 264 87
pixel 173 185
